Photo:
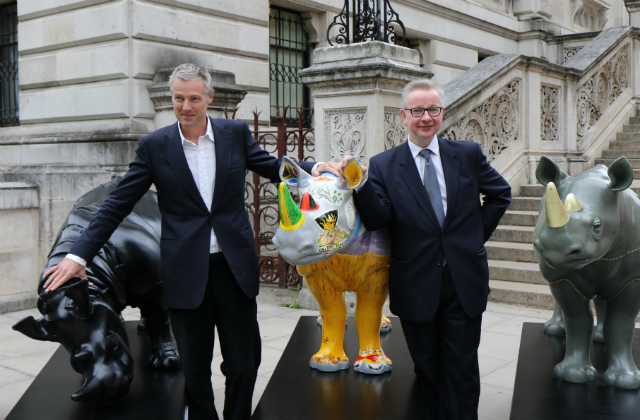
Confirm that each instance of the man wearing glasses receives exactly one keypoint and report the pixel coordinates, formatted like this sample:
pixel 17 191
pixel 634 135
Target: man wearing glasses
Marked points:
pixel 427 192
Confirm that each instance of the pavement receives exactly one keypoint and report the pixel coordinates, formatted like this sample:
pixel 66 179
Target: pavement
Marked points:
pixel 22 358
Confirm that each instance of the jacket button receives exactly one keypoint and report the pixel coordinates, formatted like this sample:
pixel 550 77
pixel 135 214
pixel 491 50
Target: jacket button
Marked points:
pixel 443 238
pixel 439 262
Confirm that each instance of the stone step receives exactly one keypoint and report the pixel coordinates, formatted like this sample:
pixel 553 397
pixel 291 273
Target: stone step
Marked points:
pixel 519 218
pixel 536 190
pixel 525 203
pixel 510 251
pixel 534 295
pixel 614 154
pixel 515 271
pixel 631 128
pixel 518 234
pixel 625 136
pixel 635 163
pixel 634 120
pixel 626 145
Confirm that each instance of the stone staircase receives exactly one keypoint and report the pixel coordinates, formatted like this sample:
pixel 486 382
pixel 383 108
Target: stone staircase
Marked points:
pixel 513 270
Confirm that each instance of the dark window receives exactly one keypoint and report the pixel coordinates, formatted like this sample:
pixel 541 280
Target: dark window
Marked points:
pixel 9 114
pixel 289 51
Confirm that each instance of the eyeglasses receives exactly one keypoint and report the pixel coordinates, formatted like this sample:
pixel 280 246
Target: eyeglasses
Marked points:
pixel 434 111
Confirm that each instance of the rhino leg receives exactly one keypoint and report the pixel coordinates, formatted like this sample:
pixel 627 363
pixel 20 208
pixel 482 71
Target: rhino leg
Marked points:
pixel 371 296
pixel 164 355
pixel 333 311
pixel 618 334
pixel 576 366
pixel 555 326
pixel 598 333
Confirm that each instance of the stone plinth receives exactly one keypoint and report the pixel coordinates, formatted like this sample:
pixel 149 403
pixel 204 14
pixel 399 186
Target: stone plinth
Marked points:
pixel 633 6
pixel 227 95
pixel 356 90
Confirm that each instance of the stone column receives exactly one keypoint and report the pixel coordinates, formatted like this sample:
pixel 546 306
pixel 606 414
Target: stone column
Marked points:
pixel 633 6
pixel 227 95
pixel 357 90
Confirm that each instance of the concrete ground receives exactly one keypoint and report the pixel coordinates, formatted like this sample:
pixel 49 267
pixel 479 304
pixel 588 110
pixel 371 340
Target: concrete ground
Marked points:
pixel 22 358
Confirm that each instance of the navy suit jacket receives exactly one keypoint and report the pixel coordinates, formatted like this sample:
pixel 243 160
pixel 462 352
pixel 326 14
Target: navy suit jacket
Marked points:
pixel 186 221
pixel 395 197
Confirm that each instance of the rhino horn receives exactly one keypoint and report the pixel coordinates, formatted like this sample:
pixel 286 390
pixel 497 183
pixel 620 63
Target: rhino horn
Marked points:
pixel 556 214
pixel 79 293
pixel 571 203
pixel 92 390
pixel 291 218
pixel 33 329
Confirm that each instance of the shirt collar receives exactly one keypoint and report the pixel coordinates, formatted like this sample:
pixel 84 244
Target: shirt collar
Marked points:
pixel 433 146
pixel 208 134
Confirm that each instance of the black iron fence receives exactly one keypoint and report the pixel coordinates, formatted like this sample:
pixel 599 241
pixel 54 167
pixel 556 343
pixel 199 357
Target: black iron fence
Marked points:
pixel 9 98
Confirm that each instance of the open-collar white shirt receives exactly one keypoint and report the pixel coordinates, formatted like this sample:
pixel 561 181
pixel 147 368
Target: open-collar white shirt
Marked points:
pixel 201 159
pixel 437 164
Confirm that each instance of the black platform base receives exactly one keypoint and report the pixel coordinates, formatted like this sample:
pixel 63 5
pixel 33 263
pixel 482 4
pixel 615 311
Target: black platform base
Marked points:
pixel 538 395
pixel 153 395
pixel 296 391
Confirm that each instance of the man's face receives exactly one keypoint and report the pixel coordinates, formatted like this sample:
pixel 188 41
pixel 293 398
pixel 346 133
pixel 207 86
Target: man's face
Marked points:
pixel 422 129
pixel 190 102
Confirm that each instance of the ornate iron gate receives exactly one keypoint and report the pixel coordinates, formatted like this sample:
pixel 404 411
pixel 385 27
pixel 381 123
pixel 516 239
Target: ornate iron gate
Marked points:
pixel 9 65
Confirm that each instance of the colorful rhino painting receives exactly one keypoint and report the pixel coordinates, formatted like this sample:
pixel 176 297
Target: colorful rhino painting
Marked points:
pixel 86 319
pixel 334 253
pixel 589 247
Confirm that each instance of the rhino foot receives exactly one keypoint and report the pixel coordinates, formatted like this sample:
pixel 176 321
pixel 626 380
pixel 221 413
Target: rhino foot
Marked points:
pixel 578 373
pixel 329 363
pixel 622 378
pixel 164 359
pixel 555 327
pixel 375 363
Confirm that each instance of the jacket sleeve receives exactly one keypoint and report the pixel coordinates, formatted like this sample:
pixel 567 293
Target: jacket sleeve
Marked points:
pixel 372 201
pixel 116 207
pixel 496 191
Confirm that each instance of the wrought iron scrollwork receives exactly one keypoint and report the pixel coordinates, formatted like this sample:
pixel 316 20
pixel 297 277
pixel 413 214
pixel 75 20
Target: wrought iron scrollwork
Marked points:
pixel 373 20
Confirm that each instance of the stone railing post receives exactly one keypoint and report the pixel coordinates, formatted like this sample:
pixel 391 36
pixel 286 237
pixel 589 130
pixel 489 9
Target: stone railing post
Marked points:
pixel 227 95
pixel 633 6
pixel 357 97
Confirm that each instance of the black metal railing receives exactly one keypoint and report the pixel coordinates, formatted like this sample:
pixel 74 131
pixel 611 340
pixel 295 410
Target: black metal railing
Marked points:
pixel 9 93
pixel 367 20
pixel 289 52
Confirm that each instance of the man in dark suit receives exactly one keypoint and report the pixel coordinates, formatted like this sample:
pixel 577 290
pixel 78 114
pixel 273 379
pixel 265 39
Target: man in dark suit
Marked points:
pixel 426 191
pixel 209 262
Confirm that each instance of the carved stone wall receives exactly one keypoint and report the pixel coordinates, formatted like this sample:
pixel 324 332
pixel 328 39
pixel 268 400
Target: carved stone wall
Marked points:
pixel 494 124
pixel 589 14
pixel 549 113
pixel 599 92
pixel 346 128
pixel 570 52
pixel 395 132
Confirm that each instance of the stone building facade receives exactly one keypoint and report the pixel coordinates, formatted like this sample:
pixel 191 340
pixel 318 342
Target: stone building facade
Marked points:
pixel 89 79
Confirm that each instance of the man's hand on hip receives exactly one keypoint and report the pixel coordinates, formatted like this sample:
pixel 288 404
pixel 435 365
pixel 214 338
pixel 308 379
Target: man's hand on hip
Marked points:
pixel 63 272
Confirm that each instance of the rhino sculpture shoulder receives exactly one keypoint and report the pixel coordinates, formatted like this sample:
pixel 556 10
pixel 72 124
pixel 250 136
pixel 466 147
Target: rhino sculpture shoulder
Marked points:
pixel 587 243
pixel 326 240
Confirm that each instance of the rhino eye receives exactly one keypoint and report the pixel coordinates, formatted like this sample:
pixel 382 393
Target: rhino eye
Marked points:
pixel 114 345
pixel 597 226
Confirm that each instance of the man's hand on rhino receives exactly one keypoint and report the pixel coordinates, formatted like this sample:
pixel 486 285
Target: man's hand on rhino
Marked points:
pixel 63 272
pixel 336 168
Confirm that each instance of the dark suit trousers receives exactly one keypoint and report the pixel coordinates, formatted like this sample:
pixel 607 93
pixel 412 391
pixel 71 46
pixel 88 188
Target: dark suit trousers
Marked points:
pixel 226 307
pixel 445 355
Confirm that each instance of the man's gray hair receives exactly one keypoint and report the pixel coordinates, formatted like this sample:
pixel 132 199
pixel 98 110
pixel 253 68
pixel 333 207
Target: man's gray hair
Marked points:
pixel 422 84
pixel 188 71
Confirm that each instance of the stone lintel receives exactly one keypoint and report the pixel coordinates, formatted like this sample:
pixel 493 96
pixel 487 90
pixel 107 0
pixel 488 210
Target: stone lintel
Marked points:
pixel 18 195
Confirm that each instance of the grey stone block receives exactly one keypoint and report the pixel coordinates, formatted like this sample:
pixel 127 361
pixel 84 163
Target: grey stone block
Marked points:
pixel 519 218
pixel 614 154
pixel 628 136
pixel 18 302
pixel 532 190
pixel 631 128
pixel 625 145
pixel 635 163
pixel 525 203
pixel 537 296
pixel 514 271
pixel 506 251
pixel 519 234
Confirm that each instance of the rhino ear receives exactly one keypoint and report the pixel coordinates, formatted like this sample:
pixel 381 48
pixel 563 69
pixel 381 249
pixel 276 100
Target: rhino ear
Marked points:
pixel 292 175
pixel 79 294
pixel 549 171
pixel 33 329
pixel 621 174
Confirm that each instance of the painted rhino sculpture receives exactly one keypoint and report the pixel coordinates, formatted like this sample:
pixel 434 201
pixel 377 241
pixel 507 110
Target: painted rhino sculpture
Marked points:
pixel 590 247
pixel 334 253
pixel 86 318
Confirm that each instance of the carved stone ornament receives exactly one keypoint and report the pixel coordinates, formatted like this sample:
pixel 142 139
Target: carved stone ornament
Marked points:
pixel 549 113
pixel 589 14
pixel 346 128
pixel 494 124
pixel 599 92
pixel 570 52
pixel 395 132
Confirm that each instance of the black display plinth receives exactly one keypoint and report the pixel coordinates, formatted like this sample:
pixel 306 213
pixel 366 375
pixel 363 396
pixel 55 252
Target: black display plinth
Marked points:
pixel 152 395
pixel 295 391
pixel 538 395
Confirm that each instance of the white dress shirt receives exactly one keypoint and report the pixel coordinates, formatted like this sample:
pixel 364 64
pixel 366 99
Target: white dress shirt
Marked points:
pixel 437 164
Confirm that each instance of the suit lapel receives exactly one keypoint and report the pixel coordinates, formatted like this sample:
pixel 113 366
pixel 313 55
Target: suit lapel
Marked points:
pixel 451 170
pixel 411 177
pixel 223 145
pixel 172 148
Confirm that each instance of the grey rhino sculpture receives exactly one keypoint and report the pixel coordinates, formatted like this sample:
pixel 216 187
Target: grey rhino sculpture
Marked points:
pixel 86 319
pixel 589 247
